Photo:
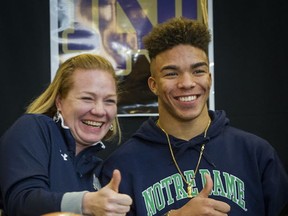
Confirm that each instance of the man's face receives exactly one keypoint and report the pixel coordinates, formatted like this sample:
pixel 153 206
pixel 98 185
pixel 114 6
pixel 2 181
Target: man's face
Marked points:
pixel 181 80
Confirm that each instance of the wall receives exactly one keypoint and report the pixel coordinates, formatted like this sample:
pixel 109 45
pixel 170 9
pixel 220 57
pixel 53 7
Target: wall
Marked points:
pixel 250 65
pixel 250 70
pixel 24 55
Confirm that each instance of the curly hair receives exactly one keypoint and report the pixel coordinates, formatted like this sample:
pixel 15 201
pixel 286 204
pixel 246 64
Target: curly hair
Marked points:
pixel 176 31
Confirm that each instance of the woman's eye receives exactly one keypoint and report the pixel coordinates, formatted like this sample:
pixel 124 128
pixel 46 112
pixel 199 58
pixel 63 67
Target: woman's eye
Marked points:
pixel 86 98
pixel 112 101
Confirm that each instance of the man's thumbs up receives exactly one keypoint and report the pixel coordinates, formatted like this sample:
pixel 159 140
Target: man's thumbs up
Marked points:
pixel 207 188
pixel 203 204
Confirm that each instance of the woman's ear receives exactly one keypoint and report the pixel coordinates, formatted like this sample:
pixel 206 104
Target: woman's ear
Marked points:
pixel 153 85
pixel 58 102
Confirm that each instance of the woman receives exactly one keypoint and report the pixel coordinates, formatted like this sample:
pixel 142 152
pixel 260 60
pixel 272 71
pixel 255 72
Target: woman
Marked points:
pixel 50 152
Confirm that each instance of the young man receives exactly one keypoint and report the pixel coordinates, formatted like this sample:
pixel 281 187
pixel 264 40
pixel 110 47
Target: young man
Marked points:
pixel 190 161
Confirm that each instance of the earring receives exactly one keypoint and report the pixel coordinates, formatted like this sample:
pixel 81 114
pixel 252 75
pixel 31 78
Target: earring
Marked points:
pixel 56 117
pixel 111 128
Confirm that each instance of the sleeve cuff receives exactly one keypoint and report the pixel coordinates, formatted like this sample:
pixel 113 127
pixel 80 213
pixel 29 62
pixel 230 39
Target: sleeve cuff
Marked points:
pixel 72 202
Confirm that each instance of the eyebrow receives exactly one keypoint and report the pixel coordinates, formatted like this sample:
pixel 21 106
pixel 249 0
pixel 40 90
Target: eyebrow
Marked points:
pixel 93 94
pixel 168 67
pixel 199 64
pixel 193 66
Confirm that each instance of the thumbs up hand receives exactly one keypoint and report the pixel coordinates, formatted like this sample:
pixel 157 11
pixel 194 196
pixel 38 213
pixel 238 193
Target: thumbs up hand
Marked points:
pixel 107 201
pixel 203 205
pixel 115 181
pixel 207 188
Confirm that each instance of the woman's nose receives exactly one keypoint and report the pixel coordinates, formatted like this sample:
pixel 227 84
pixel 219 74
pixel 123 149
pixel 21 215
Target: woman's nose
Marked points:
pixel 98 109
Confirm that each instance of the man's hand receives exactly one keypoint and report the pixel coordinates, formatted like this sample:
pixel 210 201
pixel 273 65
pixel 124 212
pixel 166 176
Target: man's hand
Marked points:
pixel 202 205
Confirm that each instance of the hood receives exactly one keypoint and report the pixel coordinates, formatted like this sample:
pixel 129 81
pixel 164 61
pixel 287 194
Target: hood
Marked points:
pixel 150 132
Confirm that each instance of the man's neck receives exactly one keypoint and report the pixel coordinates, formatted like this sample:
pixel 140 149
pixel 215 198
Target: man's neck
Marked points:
pixel 184 129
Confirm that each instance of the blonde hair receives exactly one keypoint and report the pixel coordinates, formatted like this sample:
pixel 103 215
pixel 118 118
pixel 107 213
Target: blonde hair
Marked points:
pixel 63 82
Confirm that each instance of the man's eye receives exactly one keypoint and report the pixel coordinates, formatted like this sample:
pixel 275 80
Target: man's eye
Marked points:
pixel 171 74
pixel 199 71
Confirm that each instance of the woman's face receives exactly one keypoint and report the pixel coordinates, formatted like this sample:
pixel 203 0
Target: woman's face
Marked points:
pixel 90 106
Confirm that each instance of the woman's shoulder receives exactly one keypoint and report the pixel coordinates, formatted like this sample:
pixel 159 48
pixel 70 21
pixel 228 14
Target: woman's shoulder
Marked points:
pixel 31 118
pixel 27 123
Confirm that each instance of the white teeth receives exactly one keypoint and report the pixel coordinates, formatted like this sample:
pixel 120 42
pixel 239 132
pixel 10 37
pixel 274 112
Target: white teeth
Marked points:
pixel 189 98
pixel 93 123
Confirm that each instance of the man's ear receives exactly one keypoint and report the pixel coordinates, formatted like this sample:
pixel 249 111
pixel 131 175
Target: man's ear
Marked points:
pixel 210 80
pixel 153 85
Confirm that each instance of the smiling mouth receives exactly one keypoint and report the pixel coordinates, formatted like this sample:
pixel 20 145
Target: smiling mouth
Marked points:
pixel 93 123
pixel 188 98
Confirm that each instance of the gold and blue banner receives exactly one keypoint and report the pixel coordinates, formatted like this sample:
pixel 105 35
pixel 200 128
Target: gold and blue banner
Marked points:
pixel 114 29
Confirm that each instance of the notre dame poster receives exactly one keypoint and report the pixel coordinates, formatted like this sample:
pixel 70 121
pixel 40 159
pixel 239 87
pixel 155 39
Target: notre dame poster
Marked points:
pixel 114 29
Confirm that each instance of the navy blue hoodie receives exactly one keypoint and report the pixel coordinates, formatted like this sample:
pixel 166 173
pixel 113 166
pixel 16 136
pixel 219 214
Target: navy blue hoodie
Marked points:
pixel 38 165
pixel 245 169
